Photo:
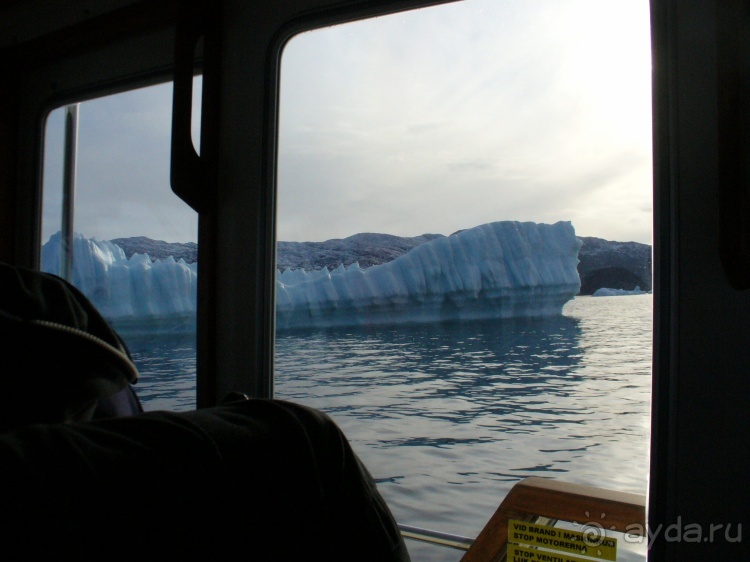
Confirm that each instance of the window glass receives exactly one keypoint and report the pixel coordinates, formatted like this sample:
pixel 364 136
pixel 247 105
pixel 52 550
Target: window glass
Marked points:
pixel 454 186
pixel 134 241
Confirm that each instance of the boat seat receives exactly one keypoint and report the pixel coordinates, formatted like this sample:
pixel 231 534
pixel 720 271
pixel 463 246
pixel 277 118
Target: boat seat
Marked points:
pixel 259 479
pixel 85 472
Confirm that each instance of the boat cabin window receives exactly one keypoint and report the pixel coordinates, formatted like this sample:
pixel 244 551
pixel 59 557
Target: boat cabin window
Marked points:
pixel 464 229
pixel 132 243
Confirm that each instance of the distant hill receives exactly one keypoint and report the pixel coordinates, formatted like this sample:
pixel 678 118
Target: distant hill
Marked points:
pixel 615 265
pixel 366 248
pixel 603 263
pixel 158 249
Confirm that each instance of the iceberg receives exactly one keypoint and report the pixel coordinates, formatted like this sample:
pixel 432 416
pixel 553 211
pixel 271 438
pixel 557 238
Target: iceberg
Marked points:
pixel 496 270
pixel 122 288
pixel 607 292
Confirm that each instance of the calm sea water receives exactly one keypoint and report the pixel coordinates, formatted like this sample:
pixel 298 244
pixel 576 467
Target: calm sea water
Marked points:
pixel 449 416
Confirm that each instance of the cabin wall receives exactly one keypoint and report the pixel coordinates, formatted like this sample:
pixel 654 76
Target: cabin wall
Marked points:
pixel 101 52
pixel 700 445
pixel 700 453
pixel 8 154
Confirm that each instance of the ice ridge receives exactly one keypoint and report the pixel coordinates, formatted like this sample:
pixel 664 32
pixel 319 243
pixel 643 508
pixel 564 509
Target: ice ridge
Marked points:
pixel 496 270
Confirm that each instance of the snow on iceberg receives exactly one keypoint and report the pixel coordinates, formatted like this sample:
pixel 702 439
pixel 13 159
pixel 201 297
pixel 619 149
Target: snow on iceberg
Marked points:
pixel 497 270
pixel 123 288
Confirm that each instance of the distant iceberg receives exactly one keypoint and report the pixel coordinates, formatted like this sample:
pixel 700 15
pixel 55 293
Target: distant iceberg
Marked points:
pixel 497 270
pixel 606 292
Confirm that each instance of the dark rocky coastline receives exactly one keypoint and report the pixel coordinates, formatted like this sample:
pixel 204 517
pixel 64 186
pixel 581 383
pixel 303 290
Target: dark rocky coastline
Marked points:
pixel 614 265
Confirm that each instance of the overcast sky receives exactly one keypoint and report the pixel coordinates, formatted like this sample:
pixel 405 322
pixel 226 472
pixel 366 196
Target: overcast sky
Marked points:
pixel 428 121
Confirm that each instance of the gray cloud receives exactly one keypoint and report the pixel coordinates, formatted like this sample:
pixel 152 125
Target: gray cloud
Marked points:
pixel 428 121
pixel 122 186
pixel 442 120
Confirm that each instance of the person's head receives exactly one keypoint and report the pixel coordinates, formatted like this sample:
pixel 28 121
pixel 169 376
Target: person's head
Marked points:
pixel 60 355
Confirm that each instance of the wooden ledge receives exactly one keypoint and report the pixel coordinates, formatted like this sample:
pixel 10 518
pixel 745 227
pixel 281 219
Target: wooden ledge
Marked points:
pixel 534 498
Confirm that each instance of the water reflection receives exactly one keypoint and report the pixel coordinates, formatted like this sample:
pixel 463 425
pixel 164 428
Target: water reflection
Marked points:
pixel 454 372
pixel 449 416
pixel 166 364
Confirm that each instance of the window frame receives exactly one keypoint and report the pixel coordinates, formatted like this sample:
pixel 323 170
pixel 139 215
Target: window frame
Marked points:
pixel 236 302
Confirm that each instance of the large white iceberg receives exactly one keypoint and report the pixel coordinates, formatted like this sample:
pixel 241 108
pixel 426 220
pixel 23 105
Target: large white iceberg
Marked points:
pixel 496 270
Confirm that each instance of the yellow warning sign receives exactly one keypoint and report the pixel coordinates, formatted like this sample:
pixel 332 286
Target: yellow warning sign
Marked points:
pixel 590 544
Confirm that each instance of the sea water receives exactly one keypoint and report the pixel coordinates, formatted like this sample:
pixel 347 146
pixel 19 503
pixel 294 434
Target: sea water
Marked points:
pixel 448 416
